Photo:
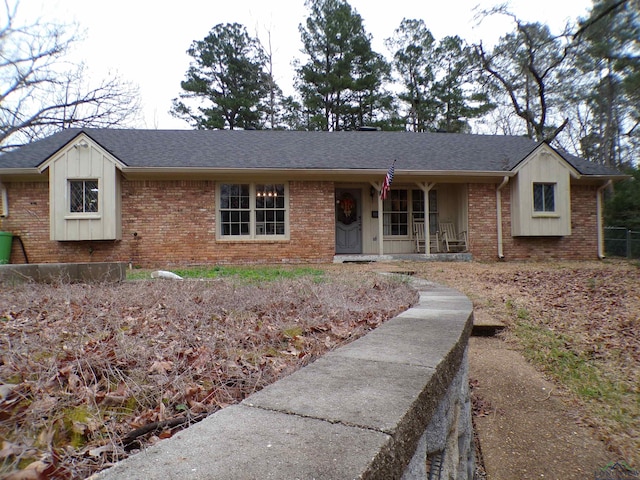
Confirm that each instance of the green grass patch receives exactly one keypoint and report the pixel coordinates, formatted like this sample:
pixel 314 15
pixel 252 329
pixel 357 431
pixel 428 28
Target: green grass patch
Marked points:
pixel 243 273
pixel 552 352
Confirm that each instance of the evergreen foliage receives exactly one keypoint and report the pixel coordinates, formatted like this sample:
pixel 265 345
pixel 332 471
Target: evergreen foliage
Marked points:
pixel 341 83
pixel 229 78
pixel 622 208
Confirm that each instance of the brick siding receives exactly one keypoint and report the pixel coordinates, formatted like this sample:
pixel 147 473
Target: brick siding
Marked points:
pixel 582 244
pixel 173 223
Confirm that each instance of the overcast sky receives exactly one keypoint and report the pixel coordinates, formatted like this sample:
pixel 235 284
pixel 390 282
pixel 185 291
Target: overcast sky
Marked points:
pixel 145 41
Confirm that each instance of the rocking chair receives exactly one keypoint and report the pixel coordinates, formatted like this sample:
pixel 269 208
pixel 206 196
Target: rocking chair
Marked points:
pixel 452 241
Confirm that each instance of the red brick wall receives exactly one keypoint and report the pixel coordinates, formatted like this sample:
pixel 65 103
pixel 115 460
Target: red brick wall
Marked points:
pixel 482 231
pixel 174 223
pixel 582 244
pixel 29 219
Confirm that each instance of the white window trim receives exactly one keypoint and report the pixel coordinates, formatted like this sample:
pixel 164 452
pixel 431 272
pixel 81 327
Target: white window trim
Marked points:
pixel 409 213
pixel 69 215
pixel 252 237
pixel 545 213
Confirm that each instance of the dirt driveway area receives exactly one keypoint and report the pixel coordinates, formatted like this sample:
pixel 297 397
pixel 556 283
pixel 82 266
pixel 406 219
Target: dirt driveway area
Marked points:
pixel 557 393
pixel 527 428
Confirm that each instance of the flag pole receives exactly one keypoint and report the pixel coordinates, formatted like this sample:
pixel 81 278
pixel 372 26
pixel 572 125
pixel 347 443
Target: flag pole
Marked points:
pixel 386 186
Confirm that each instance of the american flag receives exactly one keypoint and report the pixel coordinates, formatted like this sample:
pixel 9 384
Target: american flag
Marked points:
pixel 386 185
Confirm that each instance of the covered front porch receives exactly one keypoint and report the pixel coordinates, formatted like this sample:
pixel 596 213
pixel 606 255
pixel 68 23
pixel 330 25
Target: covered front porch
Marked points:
pixel 369 226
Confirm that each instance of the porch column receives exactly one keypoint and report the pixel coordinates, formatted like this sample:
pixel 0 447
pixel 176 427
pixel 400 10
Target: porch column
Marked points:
pixel 426 188
pixel 378 187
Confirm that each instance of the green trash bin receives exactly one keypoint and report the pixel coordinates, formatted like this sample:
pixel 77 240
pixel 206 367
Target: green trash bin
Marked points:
pixel 5 247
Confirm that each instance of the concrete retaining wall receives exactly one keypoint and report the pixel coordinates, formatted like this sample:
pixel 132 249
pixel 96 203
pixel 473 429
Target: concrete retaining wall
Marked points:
pixel 64 272
pixel 392 405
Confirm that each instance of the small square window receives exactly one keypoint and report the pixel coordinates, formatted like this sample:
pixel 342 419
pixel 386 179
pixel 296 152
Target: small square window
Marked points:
pixel 83 196
pixel 544 197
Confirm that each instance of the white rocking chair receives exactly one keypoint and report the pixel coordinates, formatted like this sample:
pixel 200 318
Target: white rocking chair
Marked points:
pixel 452 241
pixel 418 235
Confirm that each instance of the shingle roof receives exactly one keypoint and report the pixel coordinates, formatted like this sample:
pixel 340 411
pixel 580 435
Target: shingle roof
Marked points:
pixel 299 150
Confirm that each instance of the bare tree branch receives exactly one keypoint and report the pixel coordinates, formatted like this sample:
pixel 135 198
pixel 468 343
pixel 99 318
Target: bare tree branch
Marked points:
pixel 41 92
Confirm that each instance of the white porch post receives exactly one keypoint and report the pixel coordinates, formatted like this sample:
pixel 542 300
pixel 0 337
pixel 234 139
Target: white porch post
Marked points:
pixel 426 188
pixel 378 187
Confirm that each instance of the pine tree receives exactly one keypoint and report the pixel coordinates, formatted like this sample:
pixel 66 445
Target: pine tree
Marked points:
pixel 227 83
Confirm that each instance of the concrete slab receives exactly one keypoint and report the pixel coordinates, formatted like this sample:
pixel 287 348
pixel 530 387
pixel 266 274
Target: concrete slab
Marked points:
pixel 339 389
pixel 265 445
pixel 424 313
pixel 410 341
pixel 95 272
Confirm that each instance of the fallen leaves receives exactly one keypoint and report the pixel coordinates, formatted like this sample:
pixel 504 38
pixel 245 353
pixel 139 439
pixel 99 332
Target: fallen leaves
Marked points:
pixel 87 370
pixel 584 312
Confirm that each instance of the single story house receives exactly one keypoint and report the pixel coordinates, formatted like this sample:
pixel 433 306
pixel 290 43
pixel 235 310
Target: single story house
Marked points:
pixel 178 197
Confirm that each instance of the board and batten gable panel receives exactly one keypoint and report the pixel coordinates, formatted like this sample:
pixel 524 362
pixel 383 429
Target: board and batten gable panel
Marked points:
pixel 58 197
pixel 545 167
pixel 84 161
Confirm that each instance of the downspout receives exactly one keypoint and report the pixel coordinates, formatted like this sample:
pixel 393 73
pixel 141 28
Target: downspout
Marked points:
pixel 4 201
pixel 599 224
pixel 380 222
pixel 505 180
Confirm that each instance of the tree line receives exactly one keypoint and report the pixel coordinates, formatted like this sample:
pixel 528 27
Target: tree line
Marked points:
pixel 578 89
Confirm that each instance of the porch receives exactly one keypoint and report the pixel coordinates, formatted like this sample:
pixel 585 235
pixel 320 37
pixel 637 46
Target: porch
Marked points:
pixel 370 227
pixel 404 257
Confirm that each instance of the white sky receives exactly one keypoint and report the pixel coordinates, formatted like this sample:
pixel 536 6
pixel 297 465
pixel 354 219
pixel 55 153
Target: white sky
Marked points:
pixel 145 41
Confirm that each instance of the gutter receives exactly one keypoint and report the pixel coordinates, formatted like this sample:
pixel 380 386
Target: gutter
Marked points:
pixel 19 171
pixel 599 224
pixel 505 180
pixel 311 171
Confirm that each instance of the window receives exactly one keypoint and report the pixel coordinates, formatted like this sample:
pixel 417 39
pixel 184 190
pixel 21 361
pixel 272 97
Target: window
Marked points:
pixel 417 206
pixel 83 196
pixel 270 209
pixel 252 210
pixel 396 213
pixel 544 197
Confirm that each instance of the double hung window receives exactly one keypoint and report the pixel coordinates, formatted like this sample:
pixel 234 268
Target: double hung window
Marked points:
pixel 396 213
pixel 417 206
pixel 253 210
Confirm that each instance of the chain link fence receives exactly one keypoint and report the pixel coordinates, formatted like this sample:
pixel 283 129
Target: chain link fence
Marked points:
pixel 620 242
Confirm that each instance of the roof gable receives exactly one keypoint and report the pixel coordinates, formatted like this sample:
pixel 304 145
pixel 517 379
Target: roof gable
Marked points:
pixel 545 151
pixel 80 142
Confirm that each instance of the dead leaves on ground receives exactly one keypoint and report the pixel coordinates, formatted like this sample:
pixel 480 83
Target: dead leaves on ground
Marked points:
pixel 84 366
pixel 583 313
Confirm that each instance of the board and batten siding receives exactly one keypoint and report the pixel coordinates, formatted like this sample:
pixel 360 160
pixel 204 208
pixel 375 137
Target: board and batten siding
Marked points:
pixel 84 160
pixel 452 206
pixel 543 166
